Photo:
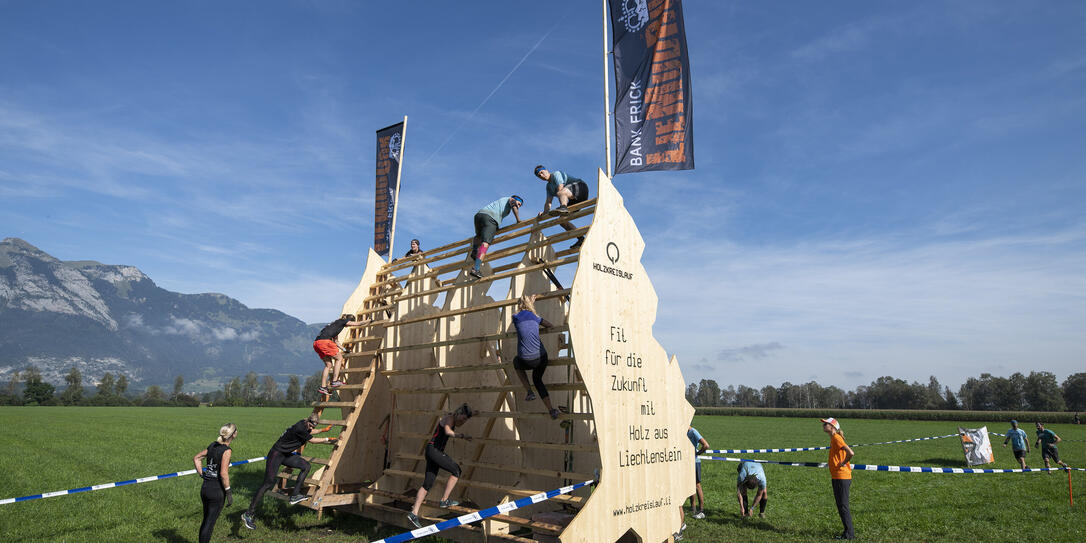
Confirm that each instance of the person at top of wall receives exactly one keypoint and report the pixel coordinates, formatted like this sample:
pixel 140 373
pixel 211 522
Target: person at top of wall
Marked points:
pixel 569 191
pixel 436 460
pixel 416 249
pixel 531 354
pixel 487 221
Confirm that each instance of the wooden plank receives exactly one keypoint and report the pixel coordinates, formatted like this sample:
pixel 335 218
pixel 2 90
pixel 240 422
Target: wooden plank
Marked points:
pixel 333 422
pixel 490 278
pixel 559 361
pixel 463 341
pixel 528 523
pixel 443 479
pixel 509 414
pixel 475 309
pixel 515 469
pixel 512 231
pixel 332 404
pixel 517 443
pixel 479 390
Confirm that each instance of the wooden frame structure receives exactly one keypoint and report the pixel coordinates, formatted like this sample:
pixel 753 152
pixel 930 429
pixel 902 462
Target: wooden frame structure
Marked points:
pixel 438 339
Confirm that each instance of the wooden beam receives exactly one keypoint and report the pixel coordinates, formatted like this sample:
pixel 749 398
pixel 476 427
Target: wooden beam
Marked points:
pixel 517 443
pixel 480 390
pixel 464 341
pixel 571 500
pixel 559 361
pixel 506 414
pixel 531 471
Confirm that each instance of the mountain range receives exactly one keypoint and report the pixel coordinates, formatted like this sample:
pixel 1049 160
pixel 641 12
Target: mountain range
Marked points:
pixel 102 318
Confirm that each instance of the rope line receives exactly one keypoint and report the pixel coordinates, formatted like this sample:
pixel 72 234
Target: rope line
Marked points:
pixel 116 484
pixel 799 449
pixel 906 469
pixel 481 514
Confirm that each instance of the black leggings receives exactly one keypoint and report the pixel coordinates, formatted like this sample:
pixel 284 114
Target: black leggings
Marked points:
pixel 271 471
pixel 212 496
pixel 538 366
pixel 840 495
pixel 436 460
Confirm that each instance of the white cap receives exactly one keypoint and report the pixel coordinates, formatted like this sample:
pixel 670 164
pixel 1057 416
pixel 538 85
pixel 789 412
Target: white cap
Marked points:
pixel 832 422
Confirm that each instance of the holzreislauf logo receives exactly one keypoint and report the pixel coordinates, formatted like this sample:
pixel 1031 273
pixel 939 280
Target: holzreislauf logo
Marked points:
pixel 613 254
pixel 635 14
pixel 611 246
pixel 394 147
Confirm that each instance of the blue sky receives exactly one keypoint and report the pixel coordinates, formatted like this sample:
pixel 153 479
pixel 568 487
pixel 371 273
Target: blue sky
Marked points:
pixel 881 189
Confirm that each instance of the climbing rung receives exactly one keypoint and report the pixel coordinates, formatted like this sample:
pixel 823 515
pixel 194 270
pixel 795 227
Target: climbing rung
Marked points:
pixel 316 460
pixel 474 390
pixel 332 404
pixel 476 339
pixel 560 361
pixel 572 500
pixel 333 422
pixel 290 477
pixel 535 525
pixel 355 370
pixel 358 387
pixel 516 443
pixel 362 339
pixel 503 414
pixel 530 471
pixel 360 354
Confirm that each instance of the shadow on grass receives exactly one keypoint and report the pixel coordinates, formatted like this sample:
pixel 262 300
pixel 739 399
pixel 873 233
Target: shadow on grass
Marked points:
pixel 764 524
pixel 171 536
pixel 942 463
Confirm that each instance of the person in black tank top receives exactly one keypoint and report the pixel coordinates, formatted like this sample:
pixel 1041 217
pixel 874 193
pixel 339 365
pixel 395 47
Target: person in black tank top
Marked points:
pixel 216 476
pixel 436 459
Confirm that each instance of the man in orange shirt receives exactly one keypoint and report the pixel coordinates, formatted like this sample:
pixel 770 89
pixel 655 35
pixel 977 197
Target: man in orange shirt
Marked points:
pixel 840 473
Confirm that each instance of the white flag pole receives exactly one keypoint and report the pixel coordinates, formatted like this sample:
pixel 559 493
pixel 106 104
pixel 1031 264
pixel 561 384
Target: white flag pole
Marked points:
pixel 606 97
pixel 396 197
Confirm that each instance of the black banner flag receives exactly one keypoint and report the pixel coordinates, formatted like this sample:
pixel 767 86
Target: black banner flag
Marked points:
pixel 389 146
pixel 654 127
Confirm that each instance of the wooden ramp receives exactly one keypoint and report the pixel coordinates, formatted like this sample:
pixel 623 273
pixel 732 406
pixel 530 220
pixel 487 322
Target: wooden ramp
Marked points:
pixel 440 338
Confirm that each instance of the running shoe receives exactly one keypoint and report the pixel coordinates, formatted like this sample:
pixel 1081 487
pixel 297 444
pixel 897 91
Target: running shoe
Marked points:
pixel 298 498
pixel 476 274
pixel 337 384
pixel 554 414
pixel 247 520
pixel 529 397
pixel 448 503
pixel 562 210
pixel 414 519
pixel 699 515
pixel 322 390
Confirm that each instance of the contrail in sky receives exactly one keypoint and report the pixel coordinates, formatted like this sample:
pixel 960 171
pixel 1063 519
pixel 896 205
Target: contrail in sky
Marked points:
pixel 485 100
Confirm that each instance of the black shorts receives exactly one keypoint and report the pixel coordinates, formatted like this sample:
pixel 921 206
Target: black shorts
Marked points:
pixel 579 189
pixel 1050 451
pixel 1020 453
pixel 485 227
pixel 533 364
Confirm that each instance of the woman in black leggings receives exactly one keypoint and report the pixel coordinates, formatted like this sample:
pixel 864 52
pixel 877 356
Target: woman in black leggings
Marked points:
pixel 216 474
pixel 436 459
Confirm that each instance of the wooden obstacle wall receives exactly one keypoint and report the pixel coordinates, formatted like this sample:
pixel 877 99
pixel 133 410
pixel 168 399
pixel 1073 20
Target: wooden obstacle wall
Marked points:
pixel 440 338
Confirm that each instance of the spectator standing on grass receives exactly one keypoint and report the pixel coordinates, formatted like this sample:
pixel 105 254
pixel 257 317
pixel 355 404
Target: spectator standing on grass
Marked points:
pixel 700 446
pixel 487 222
pixel 215 490
pixel 751 476
pixel 282 453
pixel 1019 443
pixel 1048 439
pixel 568 190
pixel 840 473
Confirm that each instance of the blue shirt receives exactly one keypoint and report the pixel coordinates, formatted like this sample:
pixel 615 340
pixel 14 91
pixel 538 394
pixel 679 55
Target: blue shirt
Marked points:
pixel 528 344
pixel 498 209
pixel 746 469
pixel 694 438
pixel 1018 439
pixel 557 178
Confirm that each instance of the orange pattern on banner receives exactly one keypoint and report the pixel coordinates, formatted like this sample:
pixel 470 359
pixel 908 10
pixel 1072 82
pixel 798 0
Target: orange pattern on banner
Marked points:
pixel 665 94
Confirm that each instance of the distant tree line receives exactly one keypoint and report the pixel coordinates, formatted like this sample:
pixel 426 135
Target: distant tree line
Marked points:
pixel 28 388
pixel 1039 391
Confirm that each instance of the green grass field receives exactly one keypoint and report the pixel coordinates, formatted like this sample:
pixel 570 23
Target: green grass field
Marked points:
pixel 55 448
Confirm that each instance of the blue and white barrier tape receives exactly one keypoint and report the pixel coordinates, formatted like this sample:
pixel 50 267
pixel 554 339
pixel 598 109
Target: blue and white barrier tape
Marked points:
pixel 799 449
pixel 481 514
pixel 118 483
pixel 906 469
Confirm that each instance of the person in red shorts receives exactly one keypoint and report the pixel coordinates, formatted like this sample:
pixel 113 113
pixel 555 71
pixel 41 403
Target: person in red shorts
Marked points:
pixel 331 352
